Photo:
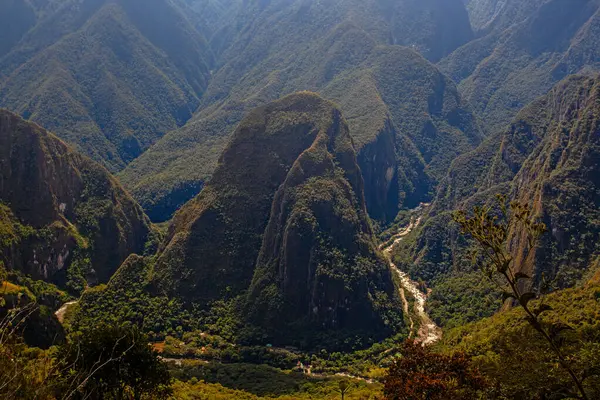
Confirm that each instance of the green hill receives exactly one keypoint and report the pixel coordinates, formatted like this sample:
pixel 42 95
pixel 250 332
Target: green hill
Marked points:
pixel 332 48
pixel 110 77
pixel 63 218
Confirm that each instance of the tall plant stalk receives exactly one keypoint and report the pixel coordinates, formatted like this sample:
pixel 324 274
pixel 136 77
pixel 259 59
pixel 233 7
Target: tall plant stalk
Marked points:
pixel 494 258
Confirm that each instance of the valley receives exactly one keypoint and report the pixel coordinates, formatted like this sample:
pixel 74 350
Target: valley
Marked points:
pixel 299 199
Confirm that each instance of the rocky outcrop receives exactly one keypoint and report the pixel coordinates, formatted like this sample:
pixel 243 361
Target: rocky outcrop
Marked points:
pixel 65 217
pixel 285 215
pixel 561 179
pixel 318 268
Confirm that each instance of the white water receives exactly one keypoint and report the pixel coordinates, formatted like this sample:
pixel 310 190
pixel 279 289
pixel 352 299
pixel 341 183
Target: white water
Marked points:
pixel 428 332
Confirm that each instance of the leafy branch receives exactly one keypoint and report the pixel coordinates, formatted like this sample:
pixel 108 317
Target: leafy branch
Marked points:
pixel 495 259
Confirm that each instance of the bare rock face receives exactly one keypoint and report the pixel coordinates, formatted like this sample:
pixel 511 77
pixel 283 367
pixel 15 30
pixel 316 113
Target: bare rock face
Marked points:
pixel 63 217
pixel 284 216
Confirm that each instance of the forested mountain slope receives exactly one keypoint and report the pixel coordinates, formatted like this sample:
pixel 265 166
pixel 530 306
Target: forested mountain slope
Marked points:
pixel 525 48
pixel 488 16
pixel 549 157
pixel 63 217
pixel 400 111
pixel 109 76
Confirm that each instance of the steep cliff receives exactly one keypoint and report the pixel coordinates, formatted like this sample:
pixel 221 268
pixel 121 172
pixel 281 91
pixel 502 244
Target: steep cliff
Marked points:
pixel 64 218
pixel 318 268
pixel 549 158
pixel 284 211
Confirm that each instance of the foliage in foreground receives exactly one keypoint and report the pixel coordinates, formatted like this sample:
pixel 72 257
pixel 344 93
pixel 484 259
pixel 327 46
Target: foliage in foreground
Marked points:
pixel 101 363
pixel 510 273
pixel 423 374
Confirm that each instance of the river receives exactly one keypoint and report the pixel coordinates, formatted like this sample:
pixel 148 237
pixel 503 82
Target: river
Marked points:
pixel 428 331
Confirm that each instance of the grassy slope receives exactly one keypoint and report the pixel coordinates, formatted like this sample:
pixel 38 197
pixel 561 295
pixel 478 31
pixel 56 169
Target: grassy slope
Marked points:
pixel 506 349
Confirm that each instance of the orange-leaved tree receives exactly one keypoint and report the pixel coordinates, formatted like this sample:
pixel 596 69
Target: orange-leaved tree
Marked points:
pixel 421 374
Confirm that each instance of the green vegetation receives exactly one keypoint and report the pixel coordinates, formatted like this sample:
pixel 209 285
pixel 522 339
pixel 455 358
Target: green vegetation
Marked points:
pixel 293 155
pixel 103 363
pixel 102 77
pixel 543 156
pixel 111 363
pixel 316 389
pixel 401 111
pixel 461 298
pixel 268 283
pixel 517 358
pixel 525 48
pixel 492 233
pixel 126 300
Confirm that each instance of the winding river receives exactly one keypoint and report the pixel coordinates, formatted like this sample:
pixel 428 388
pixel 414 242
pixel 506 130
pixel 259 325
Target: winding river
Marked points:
pixel 428 331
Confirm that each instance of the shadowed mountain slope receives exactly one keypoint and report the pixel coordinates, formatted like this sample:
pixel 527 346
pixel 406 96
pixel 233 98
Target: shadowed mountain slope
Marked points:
pixel 63 217
pixel 527 48
pixel 109 76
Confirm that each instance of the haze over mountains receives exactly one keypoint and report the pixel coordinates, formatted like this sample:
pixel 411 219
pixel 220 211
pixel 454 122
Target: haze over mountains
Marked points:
pixel 317 46
pixel 523 49
pixel 108 76
pixel 279 146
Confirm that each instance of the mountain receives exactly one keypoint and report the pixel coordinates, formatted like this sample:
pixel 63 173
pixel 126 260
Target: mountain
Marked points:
pixel 549 158
pixel 497 15
pixel 109 76
pixel 333 48
pixel 213 18
pixel 285 216
pixel 63 218
pixel 524 49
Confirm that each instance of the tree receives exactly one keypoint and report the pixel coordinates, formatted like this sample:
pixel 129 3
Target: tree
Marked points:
pixel 423 374
pixel 343 388
pixel 491 233
pixel 112 363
